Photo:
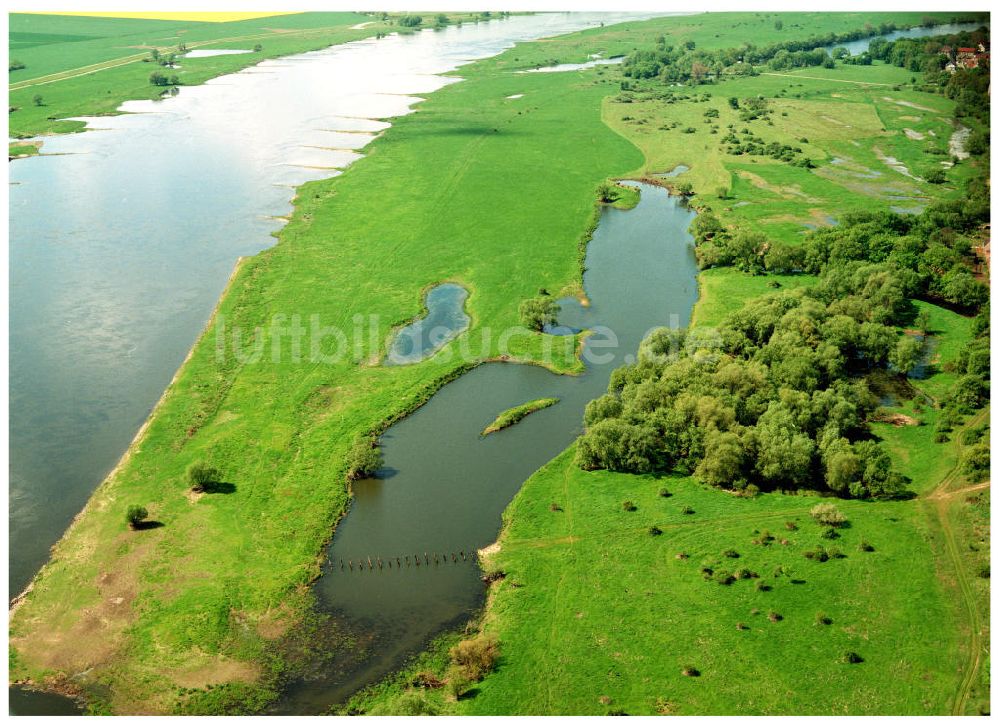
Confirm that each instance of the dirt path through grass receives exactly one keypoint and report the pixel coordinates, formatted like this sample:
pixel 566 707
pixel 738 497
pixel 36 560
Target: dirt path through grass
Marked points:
pixel 943 497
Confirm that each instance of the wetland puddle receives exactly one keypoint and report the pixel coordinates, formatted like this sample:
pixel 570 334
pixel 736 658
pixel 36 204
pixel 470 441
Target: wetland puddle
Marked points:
pixel 444 320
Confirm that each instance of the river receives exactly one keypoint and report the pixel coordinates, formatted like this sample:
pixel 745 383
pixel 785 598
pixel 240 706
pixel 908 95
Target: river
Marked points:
pixel 857 47
pixel 122 238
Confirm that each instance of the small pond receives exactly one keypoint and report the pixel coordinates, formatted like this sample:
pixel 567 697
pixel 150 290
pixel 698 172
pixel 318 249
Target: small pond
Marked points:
pixel 445 319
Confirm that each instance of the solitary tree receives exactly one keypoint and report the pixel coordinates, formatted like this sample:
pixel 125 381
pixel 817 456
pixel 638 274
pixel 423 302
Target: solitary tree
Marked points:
pixel 135 515
pixel 536 313
pixel 364 459
pixel 906 355
pixel 607 192
pixel 200 476
pixel 38 99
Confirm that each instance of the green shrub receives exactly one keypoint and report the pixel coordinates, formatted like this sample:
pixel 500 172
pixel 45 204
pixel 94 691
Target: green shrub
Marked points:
pixel 200 475
pixel 826 513
pixel 851 657
pixel 629 506
pixel 475 657
pixel 456 682
pixel 364 458
pixel 135 515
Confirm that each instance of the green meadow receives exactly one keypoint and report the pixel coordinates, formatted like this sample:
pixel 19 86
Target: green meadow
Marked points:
pixel 596 613
pixel 603 606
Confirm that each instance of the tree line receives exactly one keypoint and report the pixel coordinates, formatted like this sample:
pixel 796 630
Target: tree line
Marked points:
pixel 777 397
pixel 684 63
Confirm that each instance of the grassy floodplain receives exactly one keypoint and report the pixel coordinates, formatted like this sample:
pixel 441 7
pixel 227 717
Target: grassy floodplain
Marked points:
pixel 603 608
pixel 201 614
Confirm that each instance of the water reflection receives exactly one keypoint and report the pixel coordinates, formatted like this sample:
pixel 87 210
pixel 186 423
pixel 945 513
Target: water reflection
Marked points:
pixel 122 240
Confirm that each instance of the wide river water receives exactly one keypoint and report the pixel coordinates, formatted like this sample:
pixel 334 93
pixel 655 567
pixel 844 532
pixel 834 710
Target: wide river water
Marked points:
pixel 122 239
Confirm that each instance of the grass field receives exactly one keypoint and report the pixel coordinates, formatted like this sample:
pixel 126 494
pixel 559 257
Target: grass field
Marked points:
pixel 597 615
pixel 604 609
pixel 207 598
pixel 848 131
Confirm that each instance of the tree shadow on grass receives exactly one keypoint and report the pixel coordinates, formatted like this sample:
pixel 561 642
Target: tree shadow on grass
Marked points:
pixel 217 488
pixel 148 525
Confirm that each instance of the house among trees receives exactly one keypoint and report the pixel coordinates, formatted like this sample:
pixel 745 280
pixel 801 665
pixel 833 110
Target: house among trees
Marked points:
pixel 965 57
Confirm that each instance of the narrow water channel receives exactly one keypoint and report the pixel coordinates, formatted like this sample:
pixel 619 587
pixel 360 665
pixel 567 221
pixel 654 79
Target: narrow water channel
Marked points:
pixel 857 47
pixel 444 487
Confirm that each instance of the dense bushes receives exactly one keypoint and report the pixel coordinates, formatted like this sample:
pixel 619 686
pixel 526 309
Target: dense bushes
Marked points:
pixel 471 660
pixel 772 400
pixel 777 396
pixel 683 63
